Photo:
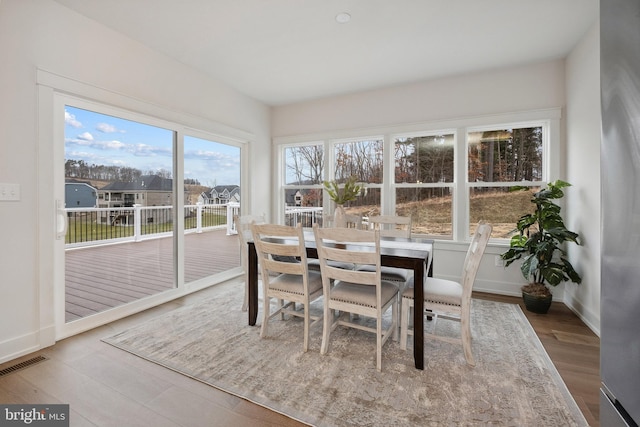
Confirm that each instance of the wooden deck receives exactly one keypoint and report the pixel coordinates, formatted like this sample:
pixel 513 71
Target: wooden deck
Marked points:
pixel 101 277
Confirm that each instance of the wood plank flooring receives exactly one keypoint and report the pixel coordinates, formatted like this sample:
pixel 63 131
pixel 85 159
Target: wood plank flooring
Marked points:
pixel 109 387
pixel 101 277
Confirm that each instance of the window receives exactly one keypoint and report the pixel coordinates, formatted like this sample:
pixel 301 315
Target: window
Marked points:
pixel 362 158
pixel 302 190
pixel 424 176
pixel 447 178
pixel 499 158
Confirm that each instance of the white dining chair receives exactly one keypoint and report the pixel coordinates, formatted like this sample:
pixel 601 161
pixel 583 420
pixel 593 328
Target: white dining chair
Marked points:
pixel 352 221
pixel 449 299
pixel 358 292
pixel 243 227
pixel 288 282
pixel 392 226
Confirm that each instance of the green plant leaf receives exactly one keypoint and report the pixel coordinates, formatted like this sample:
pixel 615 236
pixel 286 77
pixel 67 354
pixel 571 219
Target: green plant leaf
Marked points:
pixel 350 191
pixel 541 237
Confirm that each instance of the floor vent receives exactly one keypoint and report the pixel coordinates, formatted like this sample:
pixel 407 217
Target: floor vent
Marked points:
pixel 22 365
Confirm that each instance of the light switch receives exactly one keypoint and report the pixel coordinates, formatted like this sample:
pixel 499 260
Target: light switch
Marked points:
pixel 9 192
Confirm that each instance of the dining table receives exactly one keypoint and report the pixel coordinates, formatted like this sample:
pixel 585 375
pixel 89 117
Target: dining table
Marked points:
pixel 413 253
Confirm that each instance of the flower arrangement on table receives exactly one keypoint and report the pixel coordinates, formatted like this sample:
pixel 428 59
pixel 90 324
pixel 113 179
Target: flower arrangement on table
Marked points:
pixel 340 195
pixel 349 192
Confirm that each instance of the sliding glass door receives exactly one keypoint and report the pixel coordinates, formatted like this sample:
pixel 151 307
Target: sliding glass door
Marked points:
pixel 147 212
pixel 212 198
pixel 120 211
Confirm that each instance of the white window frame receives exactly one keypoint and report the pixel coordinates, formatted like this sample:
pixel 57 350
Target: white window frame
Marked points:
pixel 54 92
pixel 281 171
pixel 330 171
pixel 394 186
pixel 549 119
pixel 547 166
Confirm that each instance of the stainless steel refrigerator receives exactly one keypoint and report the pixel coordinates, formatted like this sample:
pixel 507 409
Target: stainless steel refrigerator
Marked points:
pixel 620 262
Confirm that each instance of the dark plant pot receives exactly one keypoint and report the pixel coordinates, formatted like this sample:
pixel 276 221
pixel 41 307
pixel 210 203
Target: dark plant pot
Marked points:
pixel 537 304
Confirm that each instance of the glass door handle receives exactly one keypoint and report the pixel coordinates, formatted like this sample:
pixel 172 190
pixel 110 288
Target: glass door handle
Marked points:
pixel 62 221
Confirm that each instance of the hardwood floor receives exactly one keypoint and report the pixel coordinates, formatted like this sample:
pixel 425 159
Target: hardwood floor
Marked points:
pixel 101 277
pixel 105 386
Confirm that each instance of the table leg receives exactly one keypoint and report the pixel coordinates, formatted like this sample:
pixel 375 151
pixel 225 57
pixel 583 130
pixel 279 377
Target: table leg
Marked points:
pixel 252 282
pixel 418 313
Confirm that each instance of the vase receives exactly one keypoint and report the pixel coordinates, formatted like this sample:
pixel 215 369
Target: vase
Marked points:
pixel 536 303
pixel 339 218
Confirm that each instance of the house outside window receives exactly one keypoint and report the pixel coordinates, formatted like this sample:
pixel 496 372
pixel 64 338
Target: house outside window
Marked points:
pixel 302 174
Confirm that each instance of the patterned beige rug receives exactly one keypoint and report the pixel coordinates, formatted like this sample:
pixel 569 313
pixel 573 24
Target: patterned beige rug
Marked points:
pixel 513 383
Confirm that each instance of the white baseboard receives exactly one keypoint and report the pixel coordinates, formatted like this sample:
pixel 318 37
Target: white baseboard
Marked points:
pixel 19 346
pixel 591 319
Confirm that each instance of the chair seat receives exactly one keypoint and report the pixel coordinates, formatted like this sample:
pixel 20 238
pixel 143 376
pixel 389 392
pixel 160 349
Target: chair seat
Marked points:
pixel 392 274
pixel 291 283
pixel 438 291
pixel 354 293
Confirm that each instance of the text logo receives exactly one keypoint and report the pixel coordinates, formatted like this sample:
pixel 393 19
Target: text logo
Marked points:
pixel 34 415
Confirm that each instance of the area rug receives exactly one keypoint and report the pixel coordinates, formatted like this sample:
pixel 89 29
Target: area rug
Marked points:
pixel 513 383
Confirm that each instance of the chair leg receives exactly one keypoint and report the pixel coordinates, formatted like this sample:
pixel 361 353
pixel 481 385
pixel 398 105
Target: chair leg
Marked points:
pixel 404 322
pixel 307 319
pixel 265 316
pixel 379 345
pixel 326 328
pixel 245 303
pixel 466 340
pixel 394 319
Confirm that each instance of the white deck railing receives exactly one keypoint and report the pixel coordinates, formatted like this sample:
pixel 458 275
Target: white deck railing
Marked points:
pixel 307 216
pixel 92 226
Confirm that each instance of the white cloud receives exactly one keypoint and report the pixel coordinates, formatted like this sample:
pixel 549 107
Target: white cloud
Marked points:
pixel 86 140
pixel 106 128
pixel 145 150
pixel 70 119
pixel 113 145
pixel 85 136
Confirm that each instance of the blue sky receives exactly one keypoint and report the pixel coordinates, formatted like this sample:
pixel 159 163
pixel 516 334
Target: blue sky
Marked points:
pixel 106 140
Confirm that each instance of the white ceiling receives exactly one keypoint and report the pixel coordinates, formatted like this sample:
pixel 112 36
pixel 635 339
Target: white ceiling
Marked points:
pixel 287 51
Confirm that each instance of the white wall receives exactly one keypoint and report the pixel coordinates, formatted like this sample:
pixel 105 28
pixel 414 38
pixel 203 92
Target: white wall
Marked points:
pixel 41 34
pixel 583 171
pixel 535 87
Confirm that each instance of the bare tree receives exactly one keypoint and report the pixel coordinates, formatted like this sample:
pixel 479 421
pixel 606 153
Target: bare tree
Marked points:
pixel 305 163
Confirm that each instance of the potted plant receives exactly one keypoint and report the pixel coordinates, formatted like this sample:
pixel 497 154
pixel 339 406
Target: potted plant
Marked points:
pixel 340 195
pixel 539 242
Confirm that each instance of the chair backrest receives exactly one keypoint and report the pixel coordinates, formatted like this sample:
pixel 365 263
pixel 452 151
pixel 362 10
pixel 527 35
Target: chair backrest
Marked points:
pixel 337 244
pixel 474 256
pixel 353 221
pixel 243 227
pixel 391 225
pixel 276 245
